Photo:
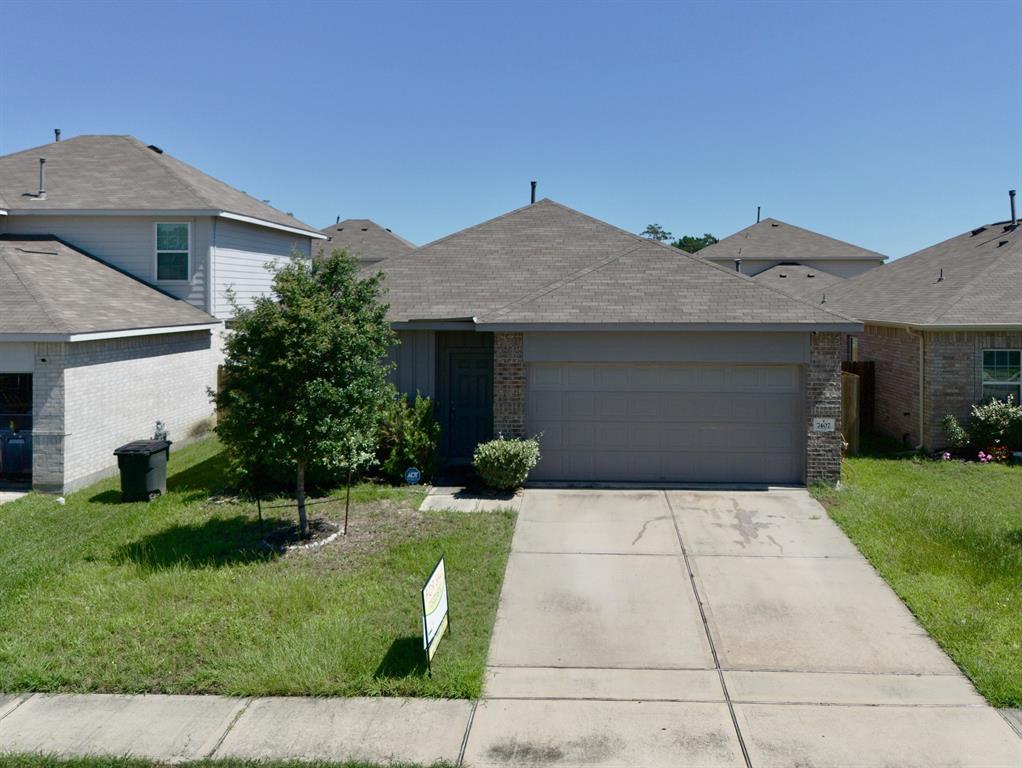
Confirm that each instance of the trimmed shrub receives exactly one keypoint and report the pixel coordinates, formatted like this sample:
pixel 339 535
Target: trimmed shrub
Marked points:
pixel 505 464
pixel 409 434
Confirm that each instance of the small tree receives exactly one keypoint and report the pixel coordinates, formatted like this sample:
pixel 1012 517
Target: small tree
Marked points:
pixel 305 376
pixel 656 232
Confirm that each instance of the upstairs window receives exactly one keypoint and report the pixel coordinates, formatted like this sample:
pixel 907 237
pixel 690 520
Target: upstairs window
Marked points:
pixel 1002 373
pixel 173 250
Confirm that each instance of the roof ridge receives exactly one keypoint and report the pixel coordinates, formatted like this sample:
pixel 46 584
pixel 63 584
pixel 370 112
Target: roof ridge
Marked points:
pixel 965 287
pixel 505 215
pixel 704 262
pixel 155 159
pixel 562 281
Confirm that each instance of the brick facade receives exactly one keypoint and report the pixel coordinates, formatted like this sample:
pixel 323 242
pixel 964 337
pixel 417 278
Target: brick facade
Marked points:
pixel 952 378
pixel 823 399
pixel 895 354
pixel 508 385
pixel 953 375
pixel 90 397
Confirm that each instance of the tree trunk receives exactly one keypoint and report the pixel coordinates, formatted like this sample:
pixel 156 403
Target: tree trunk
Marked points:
pixel 303 520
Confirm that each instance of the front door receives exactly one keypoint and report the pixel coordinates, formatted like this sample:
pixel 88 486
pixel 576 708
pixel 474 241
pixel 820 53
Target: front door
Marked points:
pixel 470 409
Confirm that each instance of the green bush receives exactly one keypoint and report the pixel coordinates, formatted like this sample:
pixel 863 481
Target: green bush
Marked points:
pixel 409 434
pixel 955 433
pixel 505 464
pixel 996 422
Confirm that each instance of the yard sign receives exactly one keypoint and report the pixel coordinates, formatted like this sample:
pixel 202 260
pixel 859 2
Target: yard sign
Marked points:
pixel 435 621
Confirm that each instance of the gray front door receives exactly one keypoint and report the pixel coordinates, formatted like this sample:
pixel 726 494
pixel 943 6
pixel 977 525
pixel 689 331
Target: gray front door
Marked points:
pixel 470 413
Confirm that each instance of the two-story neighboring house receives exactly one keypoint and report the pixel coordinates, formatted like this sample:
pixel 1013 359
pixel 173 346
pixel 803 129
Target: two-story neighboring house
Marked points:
pixel 115 264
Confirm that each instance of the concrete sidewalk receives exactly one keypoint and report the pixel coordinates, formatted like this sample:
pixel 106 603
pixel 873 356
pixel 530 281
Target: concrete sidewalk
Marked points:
pixel 179 728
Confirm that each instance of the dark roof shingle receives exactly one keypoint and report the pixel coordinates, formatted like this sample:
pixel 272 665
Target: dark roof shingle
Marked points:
pixel 971 279
pixel 49 287
pixel 775 240
pixel 548 264
pixel 364 239
pixel 121 173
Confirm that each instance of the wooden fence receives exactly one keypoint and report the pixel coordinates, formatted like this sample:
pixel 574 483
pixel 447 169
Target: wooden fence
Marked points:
pixel 850 423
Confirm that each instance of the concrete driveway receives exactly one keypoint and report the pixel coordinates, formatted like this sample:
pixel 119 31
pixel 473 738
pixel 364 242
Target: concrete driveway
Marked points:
pixel 713 628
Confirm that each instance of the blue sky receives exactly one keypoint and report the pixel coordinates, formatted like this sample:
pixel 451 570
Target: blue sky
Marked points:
pixel 891 125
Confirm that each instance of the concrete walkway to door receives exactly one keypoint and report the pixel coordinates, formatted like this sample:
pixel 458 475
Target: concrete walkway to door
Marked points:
pixel 713 628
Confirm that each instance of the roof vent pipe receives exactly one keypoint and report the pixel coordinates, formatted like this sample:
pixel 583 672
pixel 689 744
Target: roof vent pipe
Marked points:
pixel 1011 197
pixel 757 213
pixel 738 266
pixel 42 178
pixel 338 220
pixel 533 191
pixel 56 134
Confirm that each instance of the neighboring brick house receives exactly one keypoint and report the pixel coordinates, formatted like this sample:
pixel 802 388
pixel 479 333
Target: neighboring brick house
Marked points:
pixel 635 361
pixel 943 327
pixel 116 260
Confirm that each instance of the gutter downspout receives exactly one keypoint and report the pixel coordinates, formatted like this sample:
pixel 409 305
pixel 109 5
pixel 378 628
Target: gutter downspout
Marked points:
pixel 922 389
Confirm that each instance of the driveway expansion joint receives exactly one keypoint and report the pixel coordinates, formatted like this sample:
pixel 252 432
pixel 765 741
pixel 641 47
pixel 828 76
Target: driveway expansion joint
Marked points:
pixel 709 634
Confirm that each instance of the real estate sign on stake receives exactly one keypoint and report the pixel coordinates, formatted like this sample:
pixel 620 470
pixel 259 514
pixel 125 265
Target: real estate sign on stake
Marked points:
pixel 435 621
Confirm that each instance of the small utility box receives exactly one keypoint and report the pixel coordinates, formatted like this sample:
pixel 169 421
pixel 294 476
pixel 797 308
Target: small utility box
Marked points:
pixel 143 466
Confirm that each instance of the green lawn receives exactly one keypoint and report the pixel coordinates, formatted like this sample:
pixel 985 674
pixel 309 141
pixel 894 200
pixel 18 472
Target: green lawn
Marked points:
pixel 44 761
pixel 947 536
pixel 177 596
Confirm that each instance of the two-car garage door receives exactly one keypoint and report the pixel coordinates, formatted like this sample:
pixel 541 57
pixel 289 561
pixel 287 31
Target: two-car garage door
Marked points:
pixel 667 422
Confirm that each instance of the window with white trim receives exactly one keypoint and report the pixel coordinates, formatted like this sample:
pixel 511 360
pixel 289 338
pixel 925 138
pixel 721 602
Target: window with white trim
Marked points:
pixel 173 250
pixel 1002 373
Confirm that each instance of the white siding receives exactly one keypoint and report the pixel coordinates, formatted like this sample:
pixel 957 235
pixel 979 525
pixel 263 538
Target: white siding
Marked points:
pixel 128 243
pixel 241 253
pixel 16 357
pixel 115 390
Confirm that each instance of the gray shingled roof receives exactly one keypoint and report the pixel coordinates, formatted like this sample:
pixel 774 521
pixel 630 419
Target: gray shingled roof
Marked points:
pixel 548 264
pixel 122 173
pixel 775 240
pixel 49 287
pixel 797 280
pixel 364 239
pixel 982 279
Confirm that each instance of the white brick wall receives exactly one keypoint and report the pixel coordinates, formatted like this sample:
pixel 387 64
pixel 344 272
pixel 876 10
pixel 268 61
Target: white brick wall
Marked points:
pixel 115 390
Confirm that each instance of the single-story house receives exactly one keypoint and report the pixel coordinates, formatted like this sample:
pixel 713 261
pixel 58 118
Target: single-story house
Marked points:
pixel 770 243
pixel 633 360
pixel 943 327
pixel 116 260
pixel 364 239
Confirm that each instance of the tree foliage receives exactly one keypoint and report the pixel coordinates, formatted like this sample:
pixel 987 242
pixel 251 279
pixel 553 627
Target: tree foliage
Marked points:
pixel 691 243
pixel 305 378
pixel 656 232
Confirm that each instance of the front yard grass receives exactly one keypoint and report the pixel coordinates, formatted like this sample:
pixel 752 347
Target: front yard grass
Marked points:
pixel 178 596
pixel 947 536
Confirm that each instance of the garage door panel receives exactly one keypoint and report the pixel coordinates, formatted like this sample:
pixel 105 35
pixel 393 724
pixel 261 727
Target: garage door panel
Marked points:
pixel 650 423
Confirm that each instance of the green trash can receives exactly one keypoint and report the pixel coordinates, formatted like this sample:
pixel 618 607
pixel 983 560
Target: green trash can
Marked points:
pixel 143 466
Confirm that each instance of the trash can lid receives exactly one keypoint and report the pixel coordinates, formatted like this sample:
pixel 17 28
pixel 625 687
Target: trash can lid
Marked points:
pixel 142 448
